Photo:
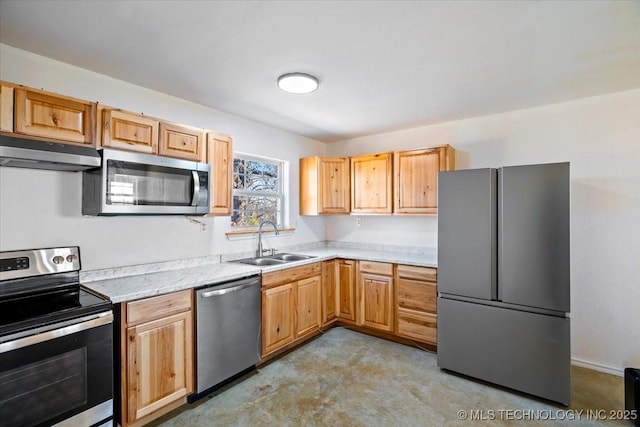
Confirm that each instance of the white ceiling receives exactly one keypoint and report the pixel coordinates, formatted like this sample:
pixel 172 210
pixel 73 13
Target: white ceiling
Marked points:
pixel 382 65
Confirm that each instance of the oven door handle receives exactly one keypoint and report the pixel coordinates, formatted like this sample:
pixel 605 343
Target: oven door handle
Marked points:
pixel 90 322
pixel 196 188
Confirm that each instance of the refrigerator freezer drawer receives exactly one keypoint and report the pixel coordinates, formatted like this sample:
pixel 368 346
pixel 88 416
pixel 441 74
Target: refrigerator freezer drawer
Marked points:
pixel 520 350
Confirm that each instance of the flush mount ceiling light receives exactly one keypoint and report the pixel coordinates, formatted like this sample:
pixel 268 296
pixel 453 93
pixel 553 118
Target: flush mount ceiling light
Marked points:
pixel 297 83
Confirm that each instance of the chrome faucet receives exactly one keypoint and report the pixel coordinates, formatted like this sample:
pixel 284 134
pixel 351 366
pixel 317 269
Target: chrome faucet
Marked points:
pixel 260 251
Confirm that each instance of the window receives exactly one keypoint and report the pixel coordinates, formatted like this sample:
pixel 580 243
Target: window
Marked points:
pixel 258 193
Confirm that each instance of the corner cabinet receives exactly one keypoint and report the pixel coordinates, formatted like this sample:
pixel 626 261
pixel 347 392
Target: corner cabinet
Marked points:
pixel 156 356
pixel 346 287
pixel 371 184
pixel 324 185
pixel 220 158
pixel 416 178
pixel 45 115
pixel 291 306
pixel 329 292
pixel 416 303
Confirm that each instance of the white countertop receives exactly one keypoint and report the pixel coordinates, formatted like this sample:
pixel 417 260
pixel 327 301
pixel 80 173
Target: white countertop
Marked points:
pixel 136 286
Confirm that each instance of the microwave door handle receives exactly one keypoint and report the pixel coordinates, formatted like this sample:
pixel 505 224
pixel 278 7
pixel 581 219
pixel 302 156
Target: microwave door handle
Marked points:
pixel 196 188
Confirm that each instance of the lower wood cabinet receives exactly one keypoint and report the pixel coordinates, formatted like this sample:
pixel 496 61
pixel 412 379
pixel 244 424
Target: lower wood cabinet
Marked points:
pixel 308 305
pixel 375 295
pixel 346 288
pixel 291 306
pixel 329 291
pixel 399 300
pixel 156 356
pixel 277 317
pixel 416 303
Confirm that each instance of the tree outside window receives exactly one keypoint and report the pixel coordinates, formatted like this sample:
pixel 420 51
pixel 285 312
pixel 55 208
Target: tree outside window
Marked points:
pixel 257 191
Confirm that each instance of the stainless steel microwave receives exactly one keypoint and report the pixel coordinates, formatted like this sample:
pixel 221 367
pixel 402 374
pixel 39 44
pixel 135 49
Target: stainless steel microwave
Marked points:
pixel 130 183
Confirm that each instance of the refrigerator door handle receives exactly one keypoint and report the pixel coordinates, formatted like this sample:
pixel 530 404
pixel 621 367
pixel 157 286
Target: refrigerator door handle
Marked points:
pixel 499 232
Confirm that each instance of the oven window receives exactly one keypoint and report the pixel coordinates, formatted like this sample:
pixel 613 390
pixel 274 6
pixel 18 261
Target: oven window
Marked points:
pixel 44 389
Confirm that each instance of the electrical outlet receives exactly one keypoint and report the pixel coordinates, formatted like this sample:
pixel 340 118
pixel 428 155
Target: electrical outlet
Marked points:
pixel 358 221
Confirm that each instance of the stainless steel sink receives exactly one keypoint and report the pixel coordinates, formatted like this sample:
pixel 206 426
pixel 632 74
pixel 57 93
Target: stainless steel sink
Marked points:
pixel 277 259
pixel 290 257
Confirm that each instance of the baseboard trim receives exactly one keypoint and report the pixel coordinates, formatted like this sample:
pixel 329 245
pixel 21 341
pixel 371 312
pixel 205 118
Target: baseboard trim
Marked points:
pixel 598 367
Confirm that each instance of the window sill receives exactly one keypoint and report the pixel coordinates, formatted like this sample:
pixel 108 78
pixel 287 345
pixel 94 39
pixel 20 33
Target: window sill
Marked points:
pixel 248 233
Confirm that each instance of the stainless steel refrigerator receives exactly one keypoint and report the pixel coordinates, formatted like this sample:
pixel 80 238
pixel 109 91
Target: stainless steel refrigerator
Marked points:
pixel 504 276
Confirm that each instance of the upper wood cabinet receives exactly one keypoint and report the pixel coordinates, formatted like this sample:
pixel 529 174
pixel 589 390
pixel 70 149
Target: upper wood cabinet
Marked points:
pixel 371 183
pixel 6 108
pixel 220 158
pixel 183 142
pixel 375 294
pixel 324 185
pixel 416 178
pixel 45 115
pixel 156 356
pixel 129 131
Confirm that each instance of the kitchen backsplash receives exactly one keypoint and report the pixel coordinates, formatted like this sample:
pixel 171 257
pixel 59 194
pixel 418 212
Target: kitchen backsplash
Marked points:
pixel 133 270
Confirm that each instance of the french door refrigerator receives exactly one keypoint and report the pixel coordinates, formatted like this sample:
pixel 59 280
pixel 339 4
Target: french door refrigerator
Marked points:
pixel 504 275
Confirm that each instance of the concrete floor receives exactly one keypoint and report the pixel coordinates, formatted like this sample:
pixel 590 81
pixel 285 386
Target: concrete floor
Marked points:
pixel 345 378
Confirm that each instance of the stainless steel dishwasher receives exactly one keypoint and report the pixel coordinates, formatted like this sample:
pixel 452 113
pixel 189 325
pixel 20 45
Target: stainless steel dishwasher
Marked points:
pixel 228 338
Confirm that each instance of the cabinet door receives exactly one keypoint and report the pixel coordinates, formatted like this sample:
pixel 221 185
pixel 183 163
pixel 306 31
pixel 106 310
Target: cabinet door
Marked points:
pixel 416 178
pixel 220 158
pixel 347 289
pixel 376 295
pixel 159 365
pixel 371 183
pixel 324 185
pixel 329 294
pixel 308 302
pixel 334 188
pixel 277 317
pixel 55 117
pixel 6 108
pixel 129 131
pixel 182 142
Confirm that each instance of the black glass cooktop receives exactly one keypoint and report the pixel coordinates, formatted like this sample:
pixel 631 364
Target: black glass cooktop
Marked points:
pixel 35 310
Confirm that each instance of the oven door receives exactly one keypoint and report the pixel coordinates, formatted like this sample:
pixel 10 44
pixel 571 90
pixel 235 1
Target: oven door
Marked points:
pixel 62 374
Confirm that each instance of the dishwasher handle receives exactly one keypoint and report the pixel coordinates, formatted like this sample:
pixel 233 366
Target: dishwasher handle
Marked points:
pixel 238 287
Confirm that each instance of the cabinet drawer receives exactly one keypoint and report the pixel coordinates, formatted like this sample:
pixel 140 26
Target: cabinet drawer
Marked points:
pixel 419 273
pixel 417 295
pixel 288 275
pixel 376 268
pixel 152 308
pixel 419 326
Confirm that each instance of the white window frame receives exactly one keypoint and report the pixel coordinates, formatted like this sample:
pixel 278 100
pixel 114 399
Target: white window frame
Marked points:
pixel 282 194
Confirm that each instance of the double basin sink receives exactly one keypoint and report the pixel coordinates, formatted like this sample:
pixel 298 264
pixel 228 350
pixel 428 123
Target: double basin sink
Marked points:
pixel 276 259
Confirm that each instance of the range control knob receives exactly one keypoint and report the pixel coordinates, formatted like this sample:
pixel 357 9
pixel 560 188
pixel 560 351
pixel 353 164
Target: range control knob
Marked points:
pixel 71 258
pixel 58 259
